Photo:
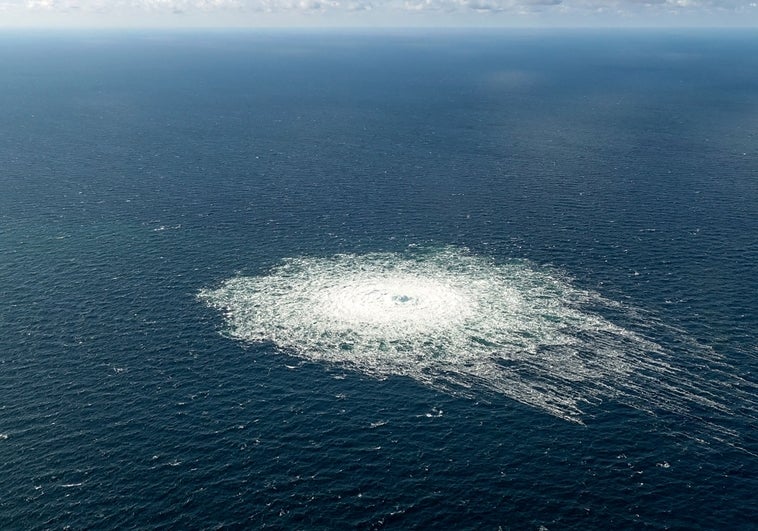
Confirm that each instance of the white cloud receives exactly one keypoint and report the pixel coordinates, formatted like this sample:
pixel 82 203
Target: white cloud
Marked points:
pixel 388 11
pixel 46 5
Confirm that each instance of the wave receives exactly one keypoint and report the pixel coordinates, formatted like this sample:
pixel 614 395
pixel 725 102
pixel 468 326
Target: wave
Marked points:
pixel 467 325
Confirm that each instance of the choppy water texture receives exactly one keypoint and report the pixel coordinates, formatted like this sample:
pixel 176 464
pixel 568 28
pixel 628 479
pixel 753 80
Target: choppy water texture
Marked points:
pixel 447 280
pixel 465 324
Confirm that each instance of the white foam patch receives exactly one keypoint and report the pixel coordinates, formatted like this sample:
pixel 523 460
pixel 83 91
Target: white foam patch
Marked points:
pixel 462 324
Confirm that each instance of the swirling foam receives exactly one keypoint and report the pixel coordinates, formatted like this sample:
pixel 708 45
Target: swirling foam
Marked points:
pixel 460 323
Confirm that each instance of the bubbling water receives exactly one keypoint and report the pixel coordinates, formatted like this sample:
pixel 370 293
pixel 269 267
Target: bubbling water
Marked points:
pixel 462 324
pixel 393 305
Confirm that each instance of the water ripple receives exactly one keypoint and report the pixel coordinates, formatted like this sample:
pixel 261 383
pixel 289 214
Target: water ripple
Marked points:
pixel 467 325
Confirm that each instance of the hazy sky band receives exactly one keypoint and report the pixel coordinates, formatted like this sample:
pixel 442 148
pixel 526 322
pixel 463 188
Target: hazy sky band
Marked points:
pixel 262 13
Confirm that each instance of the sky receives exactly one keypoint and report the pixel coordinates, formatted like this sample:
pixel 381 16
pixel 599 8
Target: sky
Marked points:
pixel 380 13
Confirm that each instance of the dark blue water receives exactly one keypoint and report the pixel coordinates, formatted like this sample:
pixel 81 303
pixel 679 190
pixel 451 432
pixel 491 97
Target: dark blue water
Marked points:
pixel 136 170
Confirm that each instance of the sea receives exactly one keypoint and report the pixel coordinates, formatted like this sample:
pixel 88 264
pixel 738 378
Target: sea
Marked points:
pixel 379 279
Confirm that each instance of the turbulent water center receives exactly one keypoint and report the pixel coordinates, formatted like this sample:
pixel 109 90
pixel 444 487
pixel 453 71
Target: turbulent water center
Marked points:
pixel 460 323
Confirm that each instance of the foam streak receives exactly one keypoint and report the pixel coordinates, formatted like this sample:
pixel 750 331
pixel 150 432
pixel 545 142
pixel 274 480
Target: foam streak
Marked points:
pixel 462 324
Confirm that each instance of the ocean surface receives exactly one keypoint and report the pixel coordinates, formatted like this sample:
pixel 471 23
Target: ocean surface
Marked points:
pixel 391 280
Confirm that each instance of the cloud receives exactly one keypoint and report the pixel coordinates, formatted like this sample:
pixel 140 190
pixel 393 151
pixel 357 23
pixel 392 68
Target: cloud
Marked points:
pixel 438 5
pixel 273 6
pixel 48 5
pixel 448 11
pixel 183 5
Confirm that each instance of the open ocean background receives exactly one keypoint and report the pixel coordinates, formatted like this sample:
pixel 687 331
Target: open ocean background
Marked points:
pixel 137 169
